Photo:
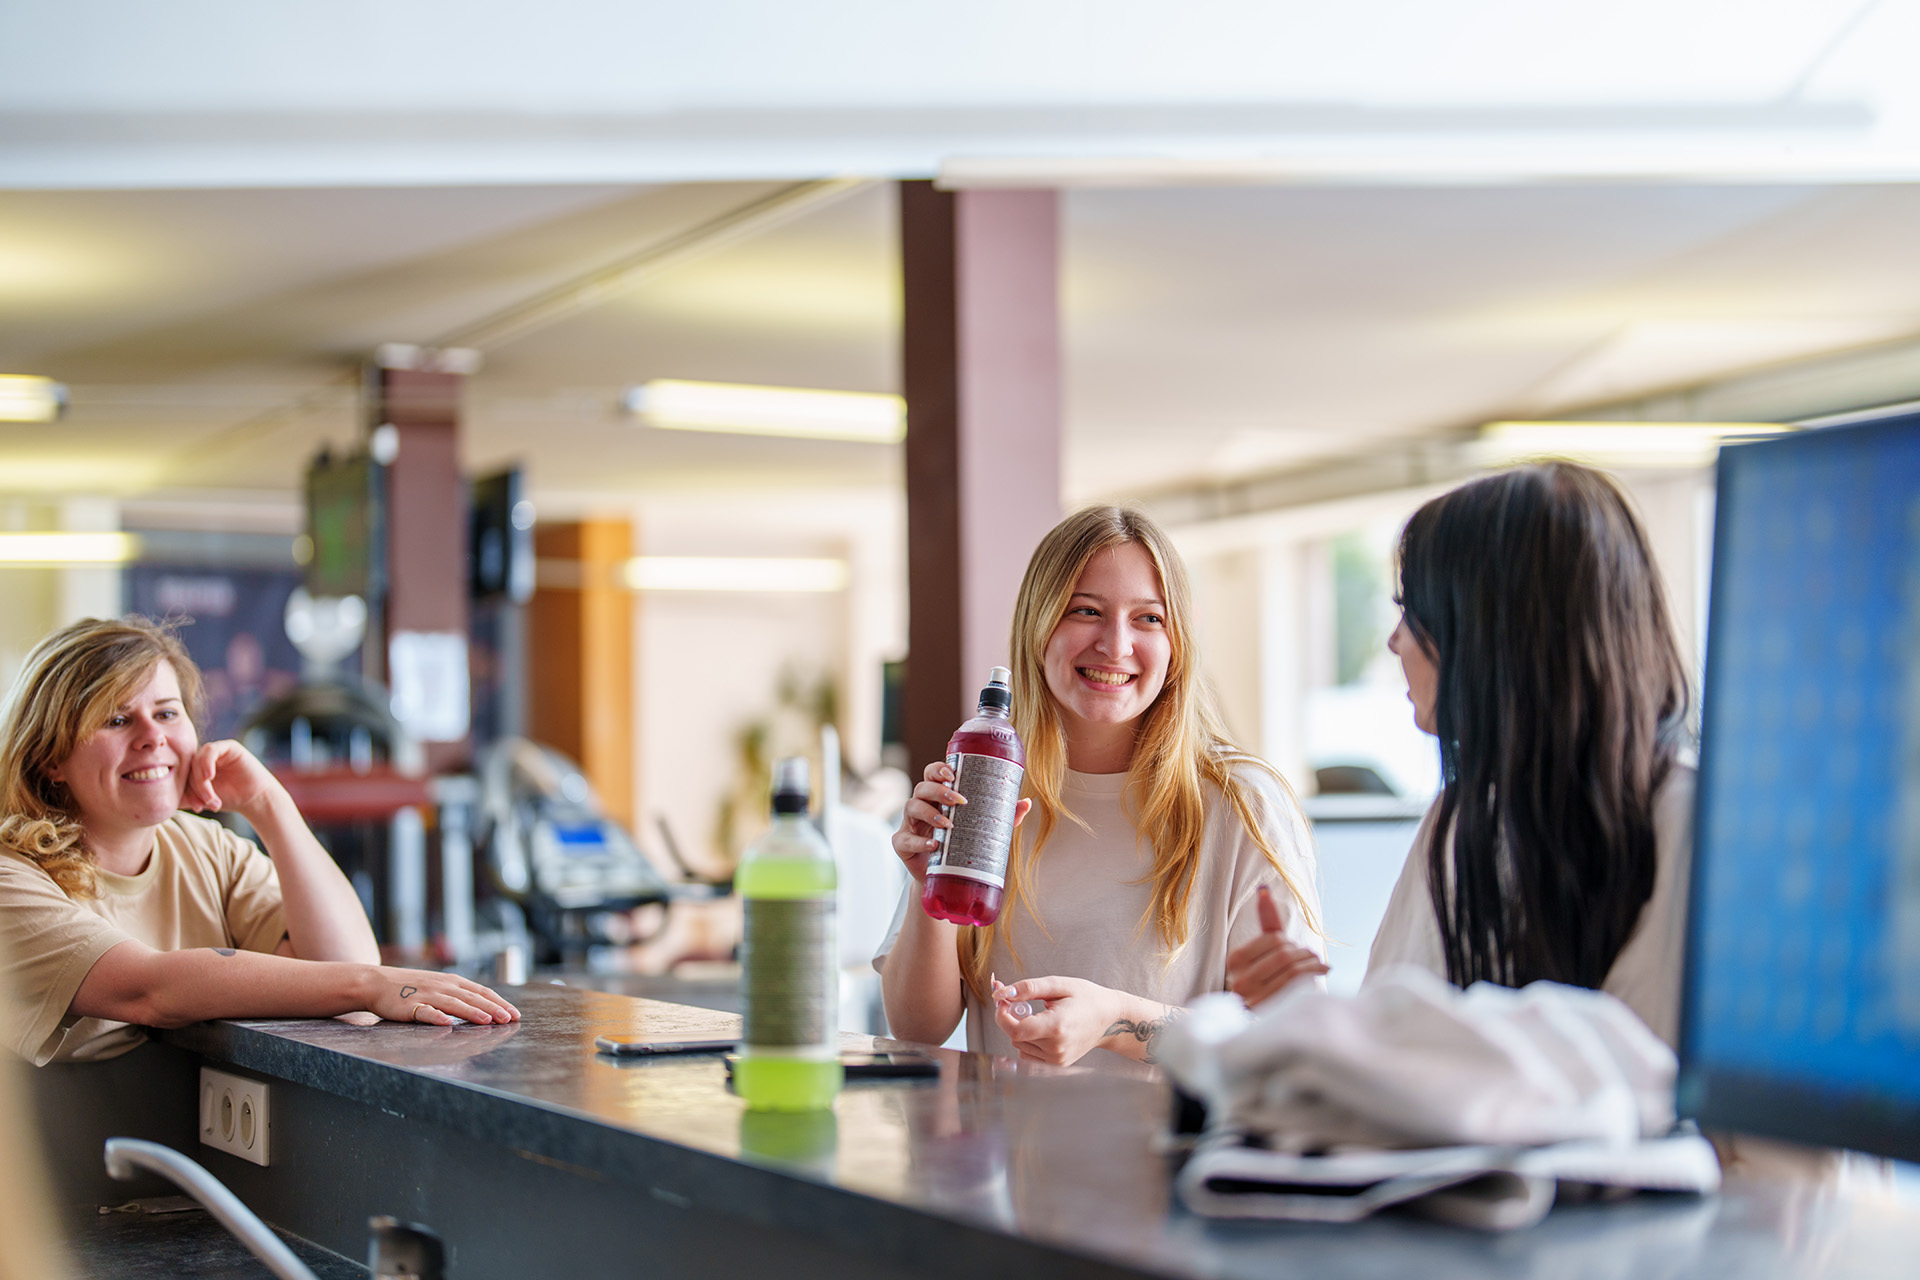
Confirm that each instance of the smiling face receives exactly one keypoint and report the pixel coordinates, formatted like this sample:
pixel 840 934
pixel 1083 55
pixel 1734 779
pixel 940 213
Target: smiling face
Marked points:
pixel 130 775
pixel 1106 660
pixel 1423 674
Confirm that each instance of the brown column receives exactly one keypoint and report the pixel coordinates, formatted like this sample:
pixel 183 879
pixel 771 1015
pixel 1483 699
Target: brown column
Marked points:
pixel 426 520
pixel 580 654
pixel 981 373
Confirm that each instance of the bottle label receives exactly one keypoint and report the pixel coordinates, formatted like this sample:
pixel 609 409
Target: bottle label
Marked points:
pixel 977 844
pixel 787 975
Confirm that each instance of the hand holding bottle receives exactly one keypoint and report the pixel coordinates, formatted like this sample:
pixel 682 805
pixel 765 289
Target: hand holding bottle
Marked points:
pixel 915 839
pixel 965 877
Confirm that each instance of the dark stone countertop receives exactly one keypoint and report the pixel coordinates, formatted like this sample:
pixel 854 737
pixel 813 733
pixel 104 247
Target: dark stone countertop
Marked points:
pixel 994 1162
pixel 139 1246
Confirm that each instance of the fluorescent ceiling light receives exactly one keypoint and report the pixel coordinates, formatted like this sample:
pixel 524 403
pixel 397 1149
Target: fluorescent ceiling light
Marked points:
pixel 1614 444
pixel 769 411
pixel 54 549
pixel 29 399
pixel 734 573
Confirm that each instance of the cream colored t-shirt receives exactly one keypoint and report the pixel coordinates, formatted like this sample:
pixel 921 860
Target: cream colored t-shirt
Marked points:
pixel 203 887
pixel 1087 914
pixel 1646 973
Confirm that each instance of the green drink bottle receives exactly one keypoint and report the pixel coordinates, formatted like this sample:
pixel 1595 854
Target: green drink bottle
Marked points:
pixel 789 981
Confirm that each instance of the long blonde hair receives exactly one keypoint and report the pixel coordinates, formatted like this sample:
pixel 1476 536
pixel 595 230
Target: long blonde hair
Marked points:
pixel 1182 744
pixel 72 683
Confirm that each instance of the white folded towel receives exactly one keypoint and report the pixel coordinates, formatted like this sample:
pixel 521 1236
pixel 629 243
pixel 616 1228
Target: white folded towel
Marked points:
pixel 1411 1063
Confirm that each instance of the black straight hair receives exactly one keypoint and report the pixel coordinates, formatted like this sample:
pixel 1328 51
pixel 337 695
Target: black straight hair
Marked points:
pixel 1561 706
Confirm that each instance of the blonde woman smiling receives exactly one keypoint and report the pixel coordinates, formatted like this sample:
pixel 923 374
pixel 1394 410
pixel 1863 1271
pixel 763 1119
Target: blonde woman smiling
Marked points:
pixel 119 911
pixel 1138 879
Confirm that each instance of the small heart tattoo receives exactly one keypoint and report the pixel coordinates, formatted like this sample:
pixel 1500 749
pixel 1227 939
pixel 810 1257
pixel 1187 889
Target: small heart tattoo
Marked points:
pixel 407 991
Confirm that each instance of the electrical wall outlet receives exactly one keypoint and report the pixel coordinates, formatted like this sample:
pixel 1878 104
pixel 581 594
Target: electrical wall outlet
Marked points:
pixel 234 1116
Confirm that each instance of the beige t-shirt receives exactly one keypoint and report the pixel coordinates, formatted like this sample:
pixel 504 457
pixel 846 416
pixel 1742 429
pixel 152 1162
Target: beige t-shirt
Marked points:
pixel 1087 913
pixel 1646 973
pixel 203 887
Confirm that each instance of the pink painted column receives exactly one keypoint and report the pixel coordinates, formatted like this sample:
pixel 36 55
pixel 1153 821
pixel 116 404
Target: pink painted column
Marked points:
pixel 981 373
pixel 426 526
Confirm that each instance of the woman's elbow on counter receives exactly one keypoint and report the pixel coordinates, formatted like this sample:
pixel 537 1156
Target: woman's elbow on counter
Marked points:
pixel 131 983
pixel 165 1016
pixel 910 1019
pixel 157 1003
pixel 141 1007
pixel 920 1030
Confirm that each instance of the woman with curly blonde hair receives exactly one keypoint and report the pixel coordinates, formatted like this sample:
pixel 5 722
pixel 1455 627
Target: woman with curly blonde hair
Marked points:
pixel 1161 862
pixel 120 911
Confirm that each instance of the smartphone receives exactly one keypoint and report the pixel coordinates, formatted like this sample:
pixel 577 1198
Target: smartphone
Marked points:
pixel 901 1064
pixel 650 1045
pixel 905 1064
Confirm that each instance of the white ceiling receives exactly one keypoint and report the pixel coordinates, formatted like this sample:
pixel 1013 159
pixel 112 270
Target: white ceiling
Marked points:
pixel 1292 231
pixel 112 93
pixel 210 336
pixel 1266 327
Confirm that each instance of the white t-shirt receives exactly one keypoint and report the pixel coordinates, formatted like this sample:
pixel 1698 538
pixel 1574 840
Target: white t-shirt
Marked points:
pixel 1646 973
pixel 1086 912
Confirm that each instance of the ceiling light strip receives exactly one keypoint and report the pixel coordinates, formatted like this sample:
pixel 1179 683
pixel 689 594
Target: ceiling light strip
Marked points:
pixel 676 405
pixel 1619 444
pixel 769 575
pixel 25 398
pixel 55 550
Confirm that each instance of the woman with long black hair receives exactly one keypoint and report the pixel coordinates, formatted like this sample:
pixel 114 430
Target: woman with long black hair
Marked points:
pixel 1539 651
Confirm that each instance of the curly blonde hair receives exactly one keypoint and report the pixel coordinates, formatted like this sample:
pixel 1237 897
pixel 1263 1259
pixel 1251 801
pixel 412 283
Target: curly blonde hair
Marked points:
pixel 1183 744
pixel 72 682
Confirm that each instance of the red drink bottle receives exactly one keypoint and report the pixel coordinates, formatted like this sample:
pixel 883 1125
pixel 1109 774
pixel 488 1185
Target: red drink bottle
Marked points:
pixel 967 874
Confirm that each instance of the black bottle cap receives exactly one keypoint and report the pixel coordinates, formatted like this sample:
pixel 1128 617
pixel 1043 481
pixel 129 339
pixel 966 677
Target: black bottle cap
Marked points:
pixel 997 695
pixel 790 785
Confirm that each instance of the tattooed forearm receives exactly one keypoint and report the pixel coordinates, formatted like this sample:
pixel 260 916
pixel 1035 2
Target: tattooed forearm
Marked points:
pixel 1146 1030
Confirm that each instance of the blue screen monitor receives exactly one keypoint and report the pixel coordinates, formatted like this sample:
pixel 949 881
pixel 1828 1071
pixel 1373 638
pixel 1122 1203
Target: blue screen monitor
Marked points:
pixel 1801 1017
